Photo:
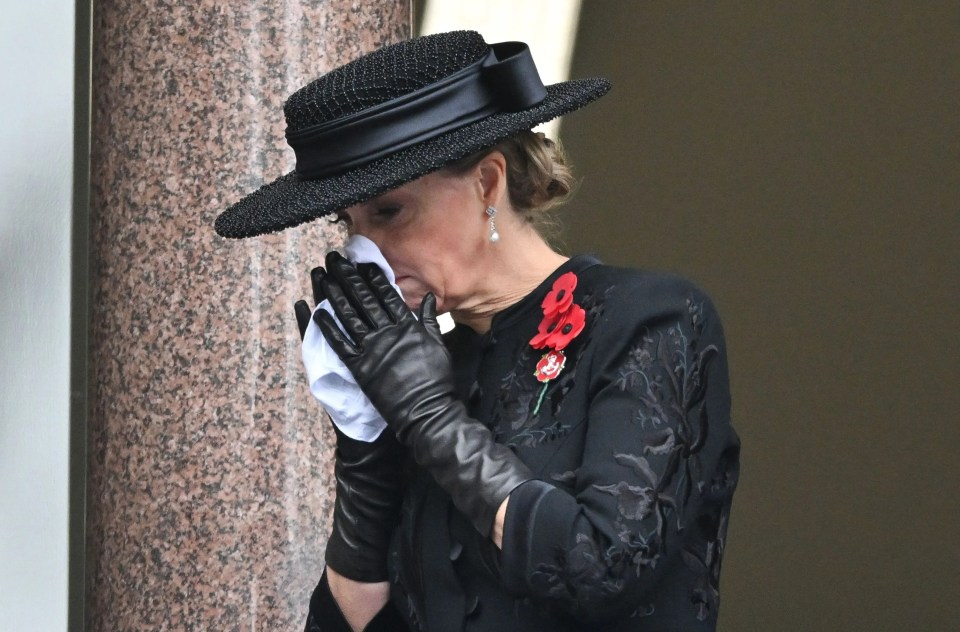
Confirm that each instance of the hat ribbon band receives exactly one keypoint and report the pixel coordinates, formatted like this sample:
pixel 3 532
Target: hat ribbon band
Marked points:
pixel 505 80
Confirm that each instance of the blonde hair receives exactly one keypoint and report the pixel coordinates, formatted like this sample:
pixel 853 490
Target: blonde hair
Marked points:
pixel 538 177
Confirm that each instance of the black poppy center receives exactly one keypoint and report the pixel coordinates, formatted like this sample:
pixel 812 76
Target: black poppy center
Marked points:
pixel 560 294
pixel 567 328
pixel 552 326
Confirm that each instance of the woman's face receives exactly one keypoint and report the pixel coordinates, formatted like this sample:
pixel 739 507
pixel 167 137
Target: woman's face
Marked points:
pixel 431 232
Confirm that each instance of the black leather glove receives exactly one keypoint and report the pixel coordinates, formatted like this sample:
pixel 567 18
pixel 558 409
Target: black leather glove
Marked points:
pixel 369 492
pixel 402 365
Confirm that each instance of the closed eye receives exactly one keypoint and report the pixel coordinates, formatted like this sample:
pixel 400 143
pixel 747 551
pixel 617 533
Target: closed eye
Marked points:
pixel 387 212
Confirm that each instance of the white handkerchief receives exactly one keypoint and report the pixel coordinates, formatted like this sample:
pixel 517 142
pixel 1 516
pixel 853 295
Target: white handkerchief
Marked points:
pixel 330 380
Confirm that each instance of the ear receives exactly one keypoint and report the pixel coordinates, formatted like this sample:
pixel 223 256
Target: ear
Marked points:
pixel 492 179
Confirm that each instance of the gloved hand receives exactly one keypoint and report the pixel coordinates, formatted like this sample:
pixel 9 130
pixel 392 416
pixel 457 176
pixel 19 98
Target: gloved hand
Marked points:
pixel 369 491
pixel 401 364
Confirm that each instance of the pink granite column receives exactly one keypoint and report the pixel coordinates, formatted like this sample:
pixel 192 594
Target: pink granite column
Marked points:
pixel 209 486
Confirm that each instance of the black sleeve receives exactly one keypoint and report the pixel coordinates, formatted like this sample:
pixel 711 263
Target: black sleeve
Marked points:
pixel 659 426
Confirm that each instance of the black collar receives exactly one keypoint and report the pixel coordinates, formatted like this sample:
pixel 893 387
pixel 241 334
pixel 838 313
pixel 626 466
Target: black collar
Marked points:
pixel 521 309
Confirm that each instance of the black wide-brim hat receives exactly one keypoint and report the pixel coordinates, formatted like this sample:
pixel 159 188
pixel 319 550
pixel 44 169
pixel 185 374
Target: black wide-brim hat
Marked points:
pixel 397 114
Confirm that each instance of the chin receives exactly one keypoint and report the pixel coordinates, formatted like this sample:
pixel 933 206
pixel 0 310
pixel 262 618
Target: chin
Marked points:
pixel 415 300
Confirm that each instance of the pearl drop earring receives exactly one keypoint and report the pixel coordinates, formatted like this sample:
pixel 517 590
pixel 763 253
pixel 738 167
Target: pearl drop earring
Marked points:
pixel 492 214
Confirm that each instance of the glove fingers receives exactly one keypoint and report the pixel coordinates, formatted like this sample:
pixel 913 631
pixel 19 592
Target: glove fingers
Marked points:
pixel 391 300
pixel 302 311
pixel 357 291
pixel 355 326
pixel 315 276
pixel 339 342
pixel 428 317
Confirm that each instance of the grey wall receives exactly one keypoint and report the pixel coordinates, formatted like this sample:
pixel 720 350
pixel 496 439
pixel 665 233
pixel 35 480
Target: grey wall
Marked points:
pixel 36 163
pixel 800 160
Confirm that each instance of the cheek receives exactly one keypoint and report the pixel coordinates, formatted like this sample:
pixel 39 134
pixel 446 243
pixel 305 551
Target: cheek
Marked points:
pixel 437 257
pixel 463 268
pixel 413 289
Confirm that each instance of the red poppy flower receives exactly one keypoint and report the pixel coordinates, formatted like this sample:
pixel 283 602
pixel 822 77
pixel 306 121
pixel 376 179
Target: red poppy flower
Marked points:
pixel 560 297
pixel 550 365
pixel 557 333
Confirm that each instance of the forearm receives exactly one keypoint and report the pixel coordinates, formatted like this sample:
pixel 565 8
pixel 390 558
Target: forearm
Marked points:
pixel 353 593
pixel 496 534
pixel 402 365
pixel 465 460
pixel 358 601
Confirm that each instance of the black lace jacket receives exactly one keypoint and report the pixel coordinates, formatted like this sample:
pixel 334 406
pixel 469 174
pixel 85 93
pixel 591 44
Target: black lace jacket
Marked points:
pixel 636 460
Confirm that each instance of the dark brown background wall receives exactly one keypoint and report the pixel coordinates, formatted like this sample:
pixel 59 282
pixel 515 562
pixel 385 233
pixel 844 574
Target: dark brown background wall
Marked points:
pixel 802 162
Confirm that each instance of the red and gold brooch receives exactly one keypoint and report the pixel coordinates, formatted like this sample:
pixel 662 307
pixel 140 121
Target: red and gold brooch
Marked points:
pixel 563 320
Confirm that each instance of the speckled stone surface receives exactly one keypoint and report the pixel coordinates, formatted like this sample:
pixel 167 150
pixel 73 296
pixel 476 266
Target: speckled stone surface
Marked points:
pixel 209 485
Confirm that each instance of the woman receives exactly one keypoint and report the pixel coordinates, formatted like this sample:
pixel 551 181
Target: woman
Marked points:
pixel 561 460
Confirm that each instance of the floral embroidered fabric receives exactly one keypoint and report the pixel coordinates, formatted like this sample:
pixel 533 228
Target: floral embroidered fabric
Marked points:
pixel 637 462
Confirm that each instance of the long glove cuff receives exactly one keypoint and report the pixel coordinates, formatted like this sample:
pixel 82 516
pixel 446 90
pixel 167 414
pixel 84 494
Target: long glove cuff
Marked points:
pixel 367 507
pixel 461 455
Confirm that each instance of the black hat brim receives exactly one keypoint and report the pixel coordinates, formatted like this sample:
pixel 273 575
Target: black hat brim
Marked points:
pixel 290 200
